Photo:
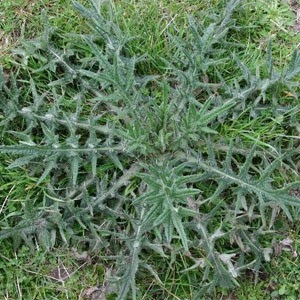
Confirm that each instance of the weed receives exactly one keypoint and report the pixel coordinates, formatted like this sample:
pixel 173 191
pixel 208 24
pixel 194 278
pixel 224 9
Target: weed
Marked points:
pixel 134 165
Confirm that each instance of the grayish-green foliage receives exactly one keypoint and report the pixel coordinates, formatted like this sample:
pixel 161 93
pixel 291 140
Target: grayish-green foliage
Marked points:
pixel 132 164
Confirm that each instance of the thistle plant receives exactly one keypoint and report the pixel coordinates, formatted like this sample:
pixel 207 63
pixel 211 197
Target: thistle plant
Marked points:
pixel 131 164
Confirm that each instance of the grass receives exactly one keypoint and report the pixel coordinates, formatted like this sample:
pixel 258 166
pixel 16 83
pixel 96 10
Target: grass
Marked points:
pixel 48 275
pixel 44 276
pixel 26 275
pixel 22 19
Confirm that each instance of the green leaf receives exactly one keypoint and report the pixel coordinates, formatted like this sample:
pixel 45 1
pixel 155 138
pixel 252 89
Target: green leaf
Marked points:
pixel 176 220
pixel 49 167
pixel 44 238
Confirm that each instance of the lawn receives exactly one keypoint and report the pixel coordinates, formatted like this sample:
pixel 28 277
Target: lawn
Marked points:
pixel 149 149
